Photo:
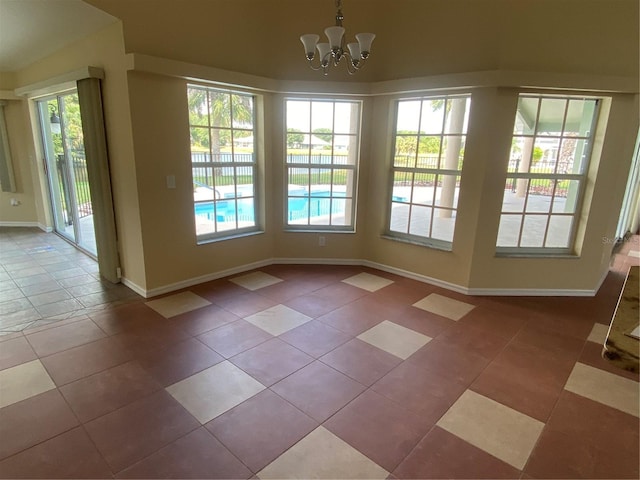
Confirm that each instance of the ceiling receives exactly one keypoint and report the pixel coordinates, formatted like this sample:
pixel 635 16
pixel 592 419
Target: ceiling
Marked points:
pixel 33 29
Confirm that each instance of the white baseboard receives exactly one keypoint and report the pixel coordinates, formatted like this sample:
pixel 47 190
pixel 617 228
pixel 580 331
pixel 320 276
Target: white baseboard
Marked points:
pixel 39 225
pixel 504 292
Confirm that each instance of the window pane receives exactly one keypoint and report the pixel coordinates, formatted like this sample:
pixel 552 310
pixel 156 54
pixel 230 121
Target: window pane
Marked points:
pixel 559 233
pixel 513 200
pixel 406 149
pixel 423 188
pixel 457 115
pixel 551 118
pixel 198 106
pixel 298 177
pixel 533 230
pixel 545 155
pixel 509 230
pixel 580 117
pixel 344 150
pixel 429 152
pixel 420 222
pixel 321 116
pixel 341 180
pixel 432 119
pixel 402 186
pixel 399 217
pixel 205 218
pixel 220 109
pixel 242 111
pixel 540 193
pixel 346 118
pixel 566 196
pixel 452 153
pixel 299 115
pixel 200 143
pixel 447 191
pixel 526 116
pixel 243 146
pixel 519 151
pixel 203 185
pixel 246 211
pixel 341 211
pixel 443 223
pixel 408 117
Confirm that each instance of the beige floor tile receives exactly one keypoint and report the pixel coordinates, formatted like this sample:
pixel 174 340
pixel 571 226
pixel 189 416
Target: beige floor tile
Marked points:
pixel 176 304
pixel 598 333
pixel 322 455
pixel 604 387
pixel 368 282
pixel 214 391
pixel 256 280
pixel 444 306
pixel 277 320
pixel 23 381
pixel 495 428
pixel 395 339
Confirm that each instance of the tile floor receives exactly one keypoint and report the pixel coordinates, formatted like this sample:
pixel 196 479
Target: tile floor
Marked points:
pixel 309 371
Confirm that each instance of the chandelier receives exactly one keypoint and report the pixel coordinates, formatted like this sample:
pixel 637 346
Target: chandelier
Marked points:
pixel 333 52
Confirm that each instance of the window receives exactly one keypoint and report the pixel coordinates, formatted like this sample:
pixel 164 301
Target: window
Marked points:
pixel 546 174
pixel 322 159
pixel 223 162
pixel 428 152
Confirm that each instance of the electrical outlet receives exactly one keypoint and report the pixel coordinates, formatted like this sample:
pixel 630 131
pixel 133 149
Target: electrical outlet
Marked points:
pixel 322 241
pixel 14 202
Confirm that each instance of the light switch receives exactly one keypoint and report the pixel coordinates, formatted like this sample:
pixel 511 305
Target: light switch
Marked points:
pixel 171 181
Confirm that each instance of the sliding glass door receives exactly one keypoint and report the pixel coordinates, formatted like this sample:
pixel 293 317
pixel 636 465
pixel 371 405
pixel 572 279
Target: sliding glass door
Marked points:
pixel 67 169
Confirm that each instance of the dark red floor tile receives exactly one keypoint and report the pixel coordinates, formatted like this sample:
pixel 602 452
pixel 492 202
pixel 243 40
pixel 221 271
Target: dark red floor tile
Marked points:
pixel 326 299
pixel 260 429
pixel 196 455
pixel 203 319
pixel 15 352
pixel 246 304
pixel 377 427
pixel 99 394
pixel 425 393
pixel 558 346
pixel 315 338
pixel 85 360
pixel 178 361
pixel 361 361
pixel 218 291
pixel 234 338
pixel 474 340
pixel 591 422
pixel 127 317
pixel 449 361
pixel 137 430
pixel 559 455
pixel 288 289
pixel 318 390
pixel 351 319
pixel 31 421
pixel 441 454
pixel 62 338
pixel 423 322
pixel 143 340
pixel 506 323
pixel 70 455
pixel 271 361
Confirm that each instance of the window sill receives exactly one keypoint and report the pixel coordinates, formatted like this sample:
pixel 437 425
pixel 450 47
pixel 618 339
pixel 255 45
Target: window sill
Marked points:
pixel 228 237
pixel 433 246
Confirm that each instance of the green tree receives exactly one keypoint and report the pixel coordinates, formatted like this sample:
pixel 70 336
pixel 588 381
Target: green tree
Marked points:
pixel 217 110
pixel 294 137
pixel 325 134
